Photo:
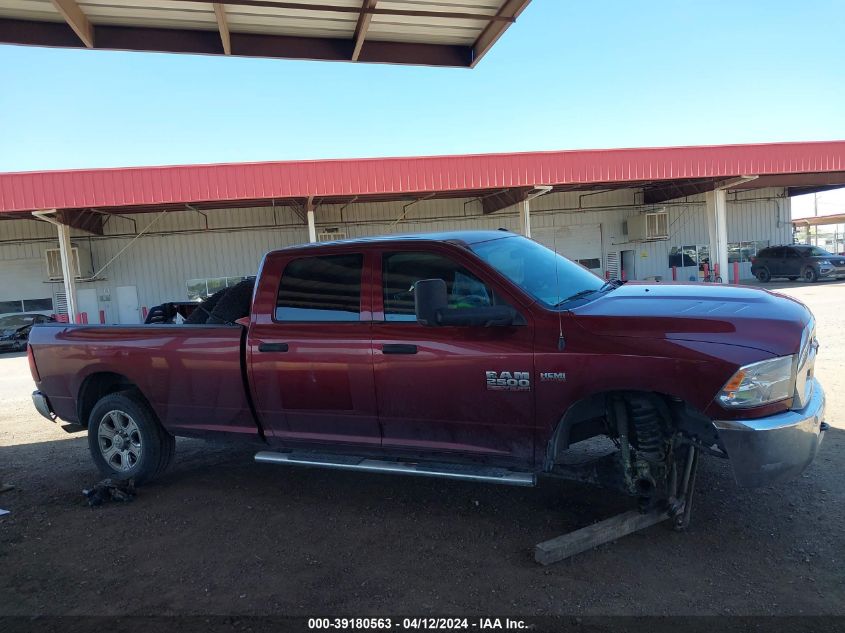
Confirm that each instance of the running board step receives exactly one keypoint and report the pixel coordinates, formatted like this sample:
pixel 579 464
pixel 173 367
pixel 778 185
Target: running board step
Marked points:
pixel 450 471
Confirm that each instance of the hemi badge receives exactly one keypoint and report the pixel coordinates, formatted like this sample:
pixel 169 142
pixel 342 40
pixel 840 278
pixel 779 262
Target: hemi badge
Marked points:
pixel 550 376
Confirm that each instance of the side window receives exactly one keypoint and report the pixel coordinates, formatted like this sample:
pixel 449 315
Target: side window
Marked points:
pixel 324 288
pixel 791 252
pixel 400 271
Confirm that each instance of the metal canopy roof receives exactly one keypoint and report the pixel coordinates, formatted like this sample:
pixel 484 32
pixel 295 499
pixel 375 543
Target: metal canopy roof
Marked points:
pixel 821 220
pixel 428 32
pixel 499 180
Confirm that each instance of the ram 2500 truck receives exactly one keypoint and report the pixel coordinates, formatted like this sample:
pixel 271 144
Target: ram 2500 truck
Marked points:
pixel 473 355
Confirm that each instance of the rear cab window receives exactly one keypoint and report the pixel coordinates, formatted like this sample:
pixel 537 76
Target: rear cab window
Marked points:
pixel 324 288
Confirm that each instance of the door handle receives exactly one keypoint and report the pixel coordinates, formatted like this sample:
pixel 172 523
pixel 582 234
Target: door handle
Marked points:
pixel 398 348
pixel 272 347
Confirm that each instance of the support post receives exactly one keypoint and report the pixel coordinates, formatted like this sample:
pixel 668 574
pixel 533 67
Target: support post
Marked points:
pixel 66 253
pixel 717 227
pixel 525 218
pixel 312 226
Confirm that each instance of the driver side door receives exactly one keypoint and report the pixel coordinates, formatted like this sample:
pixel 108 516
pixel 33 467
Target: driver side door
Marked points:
pixel 433 384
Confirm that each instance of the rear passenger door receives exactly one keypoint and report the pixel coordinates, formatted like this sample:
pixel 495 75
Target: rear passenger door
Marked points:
pixel 311 358
pixel 774 259
pixel 792 262
pixel 432 382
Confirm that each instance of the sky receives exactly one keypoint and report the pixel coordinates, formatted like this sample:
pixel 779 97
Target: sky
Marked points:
pixel 567 75
pixel 824 203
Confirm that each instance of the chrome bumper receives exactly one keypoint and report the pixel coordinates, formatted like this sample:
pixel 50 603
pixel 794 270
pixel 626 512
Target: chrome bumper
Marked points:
pixel 42 405
pixel 776 448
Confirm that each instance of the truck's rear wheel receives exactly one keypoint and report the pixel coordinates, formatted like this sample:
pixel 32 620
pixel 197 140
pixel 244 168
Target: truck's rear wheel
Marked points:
pixel 126 440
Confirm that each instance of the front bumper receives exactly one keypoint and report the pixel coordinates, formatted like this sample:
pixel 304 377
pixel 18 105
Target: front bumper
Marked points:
pixel 831 271
pixel 769 450
pixel 42 405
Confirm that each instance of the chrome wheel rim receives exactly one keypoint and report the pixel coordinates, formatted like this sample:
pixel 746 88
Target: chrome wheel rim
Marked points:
pixel 119 439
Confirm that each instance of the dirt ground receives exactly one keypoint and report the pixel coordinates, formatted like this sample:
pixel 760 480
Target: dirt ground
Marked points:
pixel 221 534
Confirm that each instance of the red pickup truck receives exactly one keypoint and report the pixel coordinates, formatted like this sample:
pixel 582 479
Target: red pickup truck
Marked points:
pixel 474 355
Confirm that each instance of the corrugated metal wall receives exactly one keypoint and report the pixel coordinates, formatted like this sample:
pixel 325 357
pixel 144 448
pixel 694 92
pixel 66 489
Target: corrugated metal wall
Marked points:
pixel 187 245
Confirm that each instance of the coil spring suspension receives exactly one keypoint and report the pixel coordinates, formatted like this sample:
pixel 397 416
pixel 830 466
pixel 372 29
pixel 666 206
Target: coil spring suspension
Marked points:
pixel 648 431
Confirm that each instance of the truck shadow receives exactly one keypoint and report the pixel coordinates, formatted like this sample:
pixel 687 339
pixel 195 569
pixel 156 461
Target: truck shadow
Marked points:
pixel 224 476
pixel 222 534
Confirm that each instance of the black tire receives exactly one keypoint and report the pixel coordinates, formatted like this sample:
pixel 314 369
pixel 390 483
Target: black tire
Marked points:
pixel 203 310
pixel 234 304
pixel 811 275
pixel 792 278
pixel 764 275
pixel 144 437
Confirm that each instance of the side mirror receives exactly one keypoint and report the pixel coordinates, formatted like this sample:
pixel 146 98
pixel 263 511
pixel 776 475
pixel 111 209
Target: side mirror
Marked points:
pixel 432 308
pixel 429 299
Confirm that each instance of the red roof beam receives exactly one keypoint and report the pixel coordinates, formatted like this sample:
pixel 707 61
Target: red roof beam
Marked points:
pixel 395 177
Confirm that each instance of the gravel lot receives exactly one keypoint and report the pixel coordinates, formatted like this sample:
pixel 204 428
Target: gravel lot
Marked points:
pixel 223 535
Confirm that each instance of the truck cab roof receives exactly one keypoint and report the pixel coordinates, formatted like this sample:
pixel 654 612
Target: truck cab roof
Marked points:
pixel 453 237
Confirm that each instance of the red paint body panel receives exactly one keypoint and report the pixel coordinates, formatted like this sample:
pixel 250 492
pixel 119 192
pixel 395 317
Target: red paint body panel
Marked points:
pixel 190 375
pixel 332 386
pixel 395 177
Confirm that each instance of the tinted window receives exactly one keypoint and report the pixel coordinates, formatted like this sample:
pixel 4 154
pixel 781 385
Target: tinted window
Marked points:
pixel 812 251
pixel 321 289
pixel 539 271
pixel 400 271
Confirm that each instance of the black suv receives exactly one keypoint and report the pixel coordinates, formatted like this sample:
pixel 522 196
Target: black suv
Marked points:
pixel 799 260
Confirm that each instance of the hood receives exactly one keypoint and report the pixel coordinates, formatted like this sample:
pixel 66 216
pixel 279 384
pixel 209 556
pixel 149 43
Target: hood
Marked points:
pixel 732 315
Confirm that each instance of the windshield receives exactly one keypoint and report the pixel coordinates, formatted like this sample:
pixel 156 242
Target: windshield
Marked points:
pixel 813 251
pixel 14 322
pixel 539 271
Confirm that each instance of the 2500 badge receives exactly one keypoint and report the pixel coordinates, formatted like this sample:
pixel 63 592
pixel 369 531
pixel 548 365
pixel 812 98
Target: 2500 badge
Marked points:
pixel 508 381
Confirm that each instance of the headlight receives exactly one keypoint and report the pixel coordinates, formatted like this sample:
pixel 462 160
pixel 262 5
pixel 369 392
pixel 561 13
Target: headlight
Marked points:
pixel 759 383
pixel 825 262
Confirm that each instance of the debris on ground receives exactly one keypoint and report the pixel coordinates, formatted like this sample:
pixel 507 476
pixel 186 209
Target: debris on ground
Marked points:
pixel 110 490
pixel 6 487
pixel 2 512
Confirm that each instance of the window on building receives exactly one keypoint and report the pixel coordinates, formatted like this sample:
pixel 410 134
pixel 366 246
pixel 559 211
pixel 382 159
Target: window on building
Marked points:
pixel 199 289
pixel 744 251
pixel 10 306
pixel 697 255
pixel 321 289
pixel 681 257
pixel 26 305
pixel 400 271
pixel 38 305
pixel 593 263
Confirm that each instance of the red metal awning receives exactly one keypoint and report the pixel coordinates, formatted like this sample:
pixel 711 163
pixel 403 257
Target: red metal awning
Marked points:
pixel 820 220
pixel 394 178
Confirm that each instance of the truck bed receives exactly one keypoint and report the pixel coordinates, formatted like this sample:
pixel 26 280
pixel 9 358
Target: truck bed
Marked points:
pixel 190 374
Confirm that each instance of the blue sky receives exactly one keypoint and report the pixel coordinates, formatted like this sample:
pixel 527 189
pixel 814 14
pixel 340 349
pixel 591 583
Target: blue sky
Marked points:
pixel 567 75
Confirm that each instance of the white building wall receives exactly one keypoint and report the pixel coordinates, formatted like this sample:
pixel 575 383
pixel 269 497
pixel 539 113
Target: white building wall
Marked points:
pixel 183 245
